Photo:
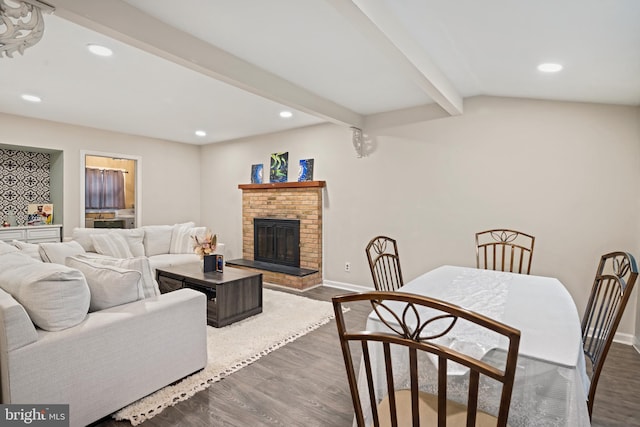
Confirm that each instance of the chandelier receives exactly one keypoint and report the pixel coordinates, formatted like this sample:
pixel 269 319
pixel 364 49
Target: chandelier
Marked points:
pixel 21 25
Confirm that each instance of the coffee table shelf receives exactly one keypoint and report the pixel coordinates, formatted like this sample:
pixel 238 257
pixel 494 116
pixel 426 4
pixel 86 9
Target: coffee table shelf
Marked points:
pixel 232 295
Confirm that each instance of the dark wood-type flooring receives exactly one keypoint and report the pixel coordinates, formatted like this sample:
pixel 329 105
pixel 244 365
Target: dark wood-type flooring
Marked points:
pixel 304 384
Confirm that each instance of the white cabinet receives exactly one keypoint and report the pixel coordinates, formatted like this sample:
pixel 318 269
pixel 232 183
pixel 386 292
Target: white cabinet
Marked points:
pixel 32 234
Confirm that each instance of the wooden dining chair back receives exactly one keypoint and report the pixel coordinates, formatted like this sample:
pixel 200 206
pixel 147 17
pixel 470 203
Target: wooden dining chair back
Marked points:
pixel 384 263
pixel 612 286
pixel 504 250
pixel 414 323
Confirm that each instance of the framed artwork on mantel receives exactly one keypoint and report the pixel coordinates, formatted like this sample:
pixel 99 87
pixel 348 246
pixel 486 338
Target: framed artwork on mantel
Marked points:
pixel 256 174
pixel 279 167
pixel 306 170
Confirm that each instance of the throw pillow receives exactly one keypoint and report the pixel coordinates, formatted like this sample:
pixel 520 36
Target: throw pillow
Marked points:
pixel 110 286
pixel 134 238
pixel 182 238
pixel 6 248
pixel 57 252
pixel 111 244
pixel 31 249
pixel 55 296
pixel 140 264
pixel 157 239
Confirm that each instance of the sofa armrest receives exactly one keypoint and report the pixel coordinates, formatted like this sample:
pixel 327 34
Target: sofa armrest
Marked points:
pixel 114 357
pixel 16 328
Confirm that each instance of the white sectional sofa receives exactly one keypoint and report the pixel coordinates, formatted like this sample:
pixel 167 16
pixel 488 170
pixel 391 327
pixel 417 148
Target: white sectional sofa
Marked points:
pixel 91 330
pixel 163 245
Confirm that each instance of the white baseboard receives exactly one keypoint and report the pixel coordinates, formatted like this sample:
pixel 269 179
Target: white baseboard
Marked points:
pixel 346 286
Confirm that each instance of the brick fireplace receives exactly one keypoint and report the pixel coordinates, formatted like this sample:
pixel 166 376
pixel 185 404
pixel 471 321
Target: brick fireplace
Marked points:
pixel 286 200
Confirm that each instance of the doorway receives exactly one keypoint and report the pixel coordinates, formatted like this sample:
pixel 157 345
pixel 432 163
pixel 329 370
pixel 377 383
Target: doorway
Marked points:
pixel 110 190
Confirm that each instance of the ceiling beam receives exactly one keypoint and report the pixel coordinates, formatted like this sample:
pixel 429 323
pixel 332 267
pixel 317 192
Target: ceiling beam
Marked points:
pixel 384 31
pixel 125 23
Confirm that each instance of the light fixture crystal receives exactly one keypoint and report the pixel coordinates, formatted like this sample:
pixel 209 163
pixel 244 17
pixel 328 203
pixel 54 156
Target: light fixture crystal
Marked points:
pixel 357 139
pixel 21 25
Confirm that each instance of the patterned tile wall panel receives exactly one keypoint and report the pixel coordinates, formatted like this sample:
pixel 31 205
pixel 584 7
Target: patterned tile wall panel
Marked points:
pixel 24 179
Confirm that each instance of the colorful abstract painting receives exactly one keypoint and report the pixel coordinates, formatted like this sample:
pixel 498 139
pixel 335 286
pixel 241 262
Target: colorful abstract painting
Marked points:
pixel 306 170
pixel 279 167
pixel 256 174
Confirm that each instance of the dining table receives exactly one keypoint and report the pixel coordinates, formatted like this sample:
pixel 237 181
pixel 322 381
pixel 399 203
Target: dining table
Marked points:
pixel 551 382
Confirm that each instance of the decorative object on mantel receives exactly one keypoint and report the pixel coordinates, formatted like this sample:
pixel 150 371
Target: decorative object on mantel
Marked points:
pixel 306 170
pixel 21 25
pixel 279 167
pixel 205 245
pixel 256 173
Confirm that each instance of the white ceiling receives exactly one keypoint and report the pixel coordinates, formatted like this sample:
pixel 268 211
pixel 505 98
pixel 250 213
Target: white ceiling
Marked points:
pixel 230 66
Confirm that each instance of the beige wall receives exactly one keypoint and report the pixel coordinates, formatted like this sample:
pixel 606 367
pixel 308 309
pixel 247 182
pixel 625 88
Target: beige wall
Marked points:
pixel 565 172
pixel 170 181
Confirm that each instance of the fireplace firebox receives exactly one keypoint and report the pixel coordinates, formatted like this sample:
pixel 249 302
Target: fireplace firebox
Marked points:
pixel 277 241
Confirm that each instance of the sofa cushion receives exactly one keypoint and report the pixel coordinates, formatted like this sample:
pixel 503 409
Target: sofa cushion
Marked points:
pixel 55 296
pixel 182 238
pixel 169 260
pixel 140 264
pixel 6 248
pixel 31 249
pixel 157 239
pixel 57 252
pixel 111 244
pixel 110 286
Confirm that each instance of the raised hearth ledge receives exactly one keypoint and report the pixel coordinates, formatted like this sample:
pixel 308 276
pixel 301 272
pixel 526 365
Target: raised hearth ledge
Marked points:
pixel 269 185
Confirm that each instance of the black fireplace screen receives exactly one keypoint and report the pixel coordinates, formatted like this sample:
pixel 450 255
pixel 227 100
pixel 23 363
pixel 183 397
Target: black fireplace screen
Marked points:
pixel 277 241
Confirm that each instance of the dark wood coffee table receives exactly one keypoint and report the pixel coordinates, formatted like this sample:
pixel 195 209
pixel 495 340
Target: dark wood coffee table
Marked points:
pixel 232 295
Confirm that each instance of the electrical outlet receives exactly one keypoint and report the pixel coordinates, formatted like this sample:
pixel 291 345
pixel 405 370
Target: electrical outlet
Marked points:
pixel 347 266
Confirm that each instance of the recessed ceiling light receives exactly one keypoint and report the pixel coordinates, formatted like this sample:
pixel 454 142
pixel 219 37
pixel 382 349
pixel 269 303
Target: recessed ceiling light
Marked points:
pixel 286 114
pixel 96 49
pixel 31 98
pixel 549 67
pixel 201 133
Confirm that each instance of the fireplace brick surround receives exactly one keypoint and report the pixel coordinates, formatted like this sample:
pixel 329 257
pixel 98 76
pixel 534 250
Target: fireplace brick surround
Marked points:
pixel 289 200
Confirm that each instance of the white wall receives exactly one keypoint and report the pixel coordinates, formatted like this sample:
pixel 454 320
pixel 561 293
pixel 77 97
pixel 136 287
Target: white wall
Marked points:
pixel 564 172
pixel 170 171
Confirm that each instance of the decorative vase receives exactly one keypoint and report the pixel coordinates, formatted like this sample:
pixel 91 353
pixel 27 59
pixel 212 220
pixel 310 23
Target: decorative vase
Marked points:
pixel 209 263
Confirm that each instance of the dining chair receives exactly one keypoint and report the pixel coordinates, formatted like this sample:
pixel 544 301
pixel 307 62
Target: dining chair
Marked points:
pixel 409 319
pixel 384 263
pixel 505 250
pixel 612 286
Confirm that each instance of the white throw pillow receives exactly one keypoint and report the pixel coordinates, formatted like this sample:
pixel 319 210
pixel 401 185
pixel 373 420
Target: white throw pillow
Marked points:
pixel 111 244
pixel 55 296
pixel 110 286
pixel 157 239
pixel 31 249
pixel 6 248
pixel 134 238
pixel 140 264
pixel 57 252
pixel 182 238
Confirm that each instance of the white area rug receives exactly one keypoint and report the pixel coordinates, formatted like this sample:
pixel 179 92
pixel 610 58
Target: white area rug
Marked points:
pixel 284 318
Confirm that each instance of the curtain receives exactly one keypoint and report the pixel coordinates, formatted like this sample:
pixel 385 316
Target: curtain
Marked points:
pixel 104 189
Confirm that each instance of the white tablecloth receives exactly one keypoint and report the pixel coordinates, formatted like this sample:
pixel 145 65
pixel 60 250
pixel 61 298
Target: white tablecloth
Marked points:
pixel 551 382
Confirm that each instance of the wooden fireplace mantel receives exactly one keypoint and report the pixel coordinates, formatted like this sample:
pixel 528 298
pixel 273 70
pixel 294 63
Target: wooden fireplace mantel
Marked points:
pixel 271 185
